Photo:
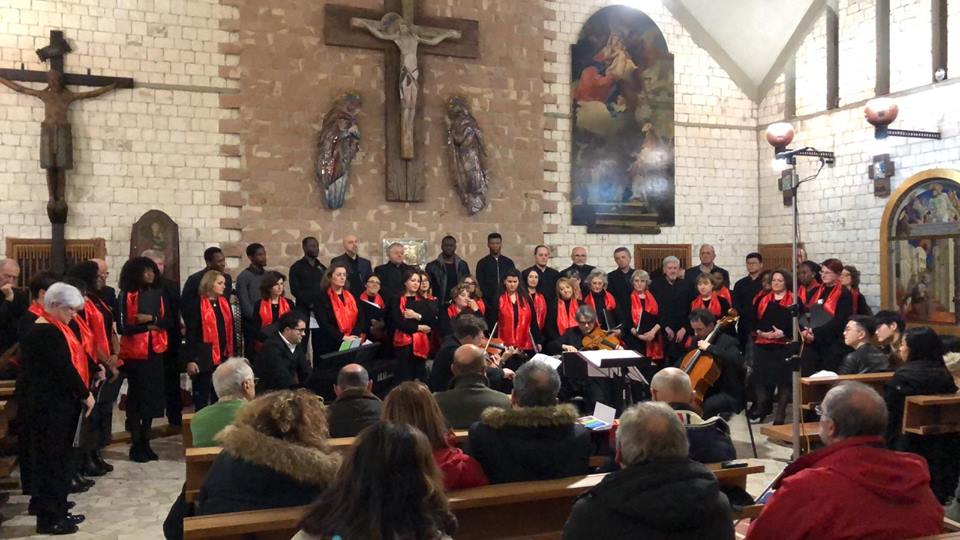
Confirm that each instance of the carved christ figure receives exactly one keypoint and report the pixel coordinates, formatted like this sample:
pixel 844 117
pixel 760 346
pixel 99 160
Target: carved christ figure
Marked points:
pixel 56 140
pixel 393 27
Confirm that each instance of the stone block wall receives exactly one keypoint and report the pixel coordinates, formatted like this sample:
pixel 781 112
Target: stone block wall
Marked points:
pixel 158 145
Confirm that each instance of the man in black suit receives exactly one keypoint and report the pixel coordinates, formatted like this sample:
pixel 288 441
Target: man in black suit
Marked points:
pixel 306 277
pixel 358 268
pixel 489 274
pixel 190 299
pixel 548 276
pixel 391 273
pixel 706 266
pixel 282 363
pixel 618 280
pixel 578 256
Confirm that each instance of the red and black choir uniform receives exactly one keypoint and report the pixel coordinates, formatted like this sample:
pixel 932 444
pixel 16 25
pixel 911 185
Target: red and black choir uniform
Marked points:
pixel 859 303
pixel 560 318
pixel 605 306
pixel 454 311
pixel 724 293
pixel 101 420
pixel 337 315
pixel 715 304
pixel 827 350
pixel 645 312
pixel 770 365
pixel 373 311
pixel 540 310
pixel 54 380
pixel 210 341
pixel 141 348
pixel 268 313
pixel 809 294
pixel 516 324
pixel 411 346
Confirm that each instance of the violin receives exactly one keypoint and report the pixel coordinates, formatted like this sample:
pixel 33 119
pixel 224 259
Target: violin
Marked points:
pixel 600 340
pixel 701 367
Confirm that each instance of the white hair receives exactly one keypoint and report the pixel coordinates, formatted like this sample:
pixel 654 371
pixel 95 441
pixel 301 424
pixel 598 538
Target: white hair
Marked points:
pixel 62 295
pixel 649 431
pixel 670 259
pixel 229 377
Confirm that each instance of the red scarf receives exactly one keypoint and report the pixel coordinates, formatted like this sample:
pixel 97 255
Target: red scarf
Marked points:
pixel 481 306
pixel 136 346
pixel 784 302
pixel 78 356
pixel 515 333
pixel 378 300
pixel 855 297
pixel 208 320
pixel 813 294
pixel 653 348
pixel 419 340
pixel 830 304
pixel 608 302
pixel 86 337
pixel 725 294
pixel 566 316
pixel 344 311
pixel 36 308
pixel 713 304
pixel 540 307
pixel 266 311
pixel 94 319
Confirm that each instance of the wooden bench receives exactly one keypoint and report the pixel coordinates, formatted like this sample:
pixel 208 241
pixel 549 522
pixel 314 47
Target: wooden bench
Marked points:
pixel 537 508
pixel 932 415
pixel 186 436
pixel 783 434
pixel 814 389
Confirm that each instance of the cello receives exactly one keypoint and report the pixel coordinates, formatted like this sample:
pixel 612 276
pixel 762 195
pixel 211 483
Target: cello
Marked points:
pixel 701 367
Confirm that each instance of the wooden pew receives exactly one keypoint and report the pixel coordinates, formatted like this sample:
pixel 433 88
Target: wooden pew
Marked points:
pixel 185 434
pixel 813 389
pixel 932 415
pixel 480 513
pixel 783 434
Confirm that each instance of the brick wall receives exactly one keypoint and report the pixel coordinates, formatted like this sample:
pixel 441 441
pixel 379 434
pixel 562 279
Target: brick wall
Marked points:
pixel 156 146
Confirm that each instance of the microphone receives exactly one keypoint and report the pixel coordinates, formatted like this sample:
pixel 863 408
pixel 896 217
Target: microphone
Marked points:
pixel 790 153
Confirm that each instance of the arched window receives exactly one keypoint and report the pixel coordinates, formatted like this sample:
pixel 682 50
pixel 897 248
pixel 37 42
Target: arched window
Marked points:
pixel 920 250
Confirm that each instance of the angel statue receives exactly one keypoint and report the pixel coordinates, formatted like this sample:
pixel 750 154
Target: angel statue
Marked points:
pixel 468 158
pixel 338 144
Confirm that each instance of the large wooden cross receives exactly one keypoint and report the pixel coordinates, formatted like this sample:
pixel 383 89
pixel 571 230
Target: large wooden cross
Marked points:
pixel 369 29
pixel 56 140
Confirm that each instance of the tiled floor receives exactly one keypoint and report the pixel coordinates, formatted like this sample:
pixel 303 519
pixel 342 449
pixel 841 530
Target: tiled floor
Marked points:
pixel 132 502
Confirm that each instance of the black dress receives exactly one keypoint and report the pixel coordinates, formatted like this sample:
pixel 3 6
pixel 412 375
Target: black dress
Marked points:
pixel 770 365
pixel 50 409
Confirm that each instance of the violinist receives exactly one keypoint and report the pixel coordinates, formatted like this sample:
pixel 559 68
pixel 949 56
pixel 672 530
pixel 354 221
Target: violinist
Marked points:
pixel 516 315
pixel 574 339
pixel 642 313
pixel 726 396
pixel 562 316
pixel 602 301
pixel 468 329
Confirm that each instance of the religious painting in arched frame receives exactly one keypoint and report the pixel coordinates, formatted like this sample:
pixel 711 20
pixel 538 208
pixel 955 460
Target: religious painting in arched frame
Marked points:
pixel 622 158
pixel 920 250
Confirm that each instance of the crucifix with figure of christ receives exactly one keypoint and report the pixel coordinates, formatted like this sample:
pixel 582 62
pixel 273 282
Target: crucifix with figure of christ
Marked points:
pixel 402 35
pixel 56 139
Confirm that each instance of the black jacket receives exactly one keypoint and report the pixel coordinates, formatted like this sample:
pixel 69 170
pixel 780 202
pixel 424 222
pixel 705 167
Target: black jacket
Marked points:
pixel 709 439
pixel 441 373
pixel 328 336
pixel 743 293
pixel 674 301
pixel 436 269
pixel 866 359
pixel 278 368
pixel 690 275
pixel 547 286
pixel 305 279
pixel 190 295
pixel 353 410
pixel 530 443
pixel 255 472
pixel 490 273
pixel 10 314
pixel 726 352
pixel 666 498
pixel 391 279
pixel 619 285
pixel 358 270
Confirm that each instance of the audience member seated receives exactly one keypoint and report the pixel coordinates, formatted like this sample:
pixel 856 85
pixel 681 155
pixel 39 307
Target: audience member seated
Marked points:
pixel 282 363
pixel 865 358
pixel 659 493
pixel 234 384
pixel 412 403
pixel 361 504
pixel 470 394
pixel 923 373
pixel 274 455
pixel 709 439
pixel 536 439
pixel 853 488
pixel 355 407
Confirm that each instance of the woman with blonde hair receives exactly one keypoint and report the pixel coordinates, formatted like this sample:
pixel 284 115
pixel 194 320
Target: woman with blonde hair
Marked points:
pixel 210 336
pixel 412 403
pixel 275 455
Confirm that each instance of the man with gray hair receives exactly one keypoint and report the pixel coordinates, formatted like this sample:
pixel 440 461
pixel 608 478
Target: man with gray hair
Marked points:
pixel 710 440
pixel 355 407
pixel 535 439
pixel 658 493
pixel 673 296
pixel 853 488
pixel 13 303
pixel 391 272
pixel 234 384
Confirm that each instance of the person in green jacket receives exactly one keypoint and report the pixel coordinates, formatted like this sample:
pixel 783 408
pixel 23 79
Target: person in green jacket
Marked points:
pixel 233 383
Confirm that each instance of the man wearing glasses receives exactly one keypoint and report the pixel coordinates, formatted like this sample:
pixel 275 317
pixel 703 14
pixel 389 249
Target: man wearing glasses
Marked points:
pixel 282 363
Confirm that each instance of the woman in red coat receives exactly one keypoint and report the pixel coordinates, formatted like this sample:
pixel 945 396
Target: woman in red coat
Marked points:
pixel 412 403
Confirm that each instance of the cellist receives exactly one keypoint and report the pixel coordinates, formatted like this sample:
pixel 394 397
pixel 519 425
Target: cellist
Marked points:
pixel 725 397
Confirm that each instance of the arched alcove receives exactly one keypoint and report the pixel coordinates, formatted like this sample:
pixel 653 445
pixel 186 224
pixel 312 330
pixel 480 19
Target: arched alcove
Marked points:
pixel 920 250
pixel 622 156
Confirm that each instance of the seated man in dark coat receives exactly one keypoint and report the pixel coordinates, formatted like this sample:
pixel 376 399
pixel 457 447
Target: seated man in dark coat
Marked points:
pixel 282 363
pixel 725 397
pixel 536 439
pixel 659 493
pixel 469 394
pixel 468 329
pixel 865 358
pixel 355 407
pixel 709 439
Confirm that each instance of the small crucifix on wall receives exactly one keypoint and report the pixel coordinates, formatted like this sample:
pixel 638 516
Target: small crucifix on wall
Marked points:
pixel 399 33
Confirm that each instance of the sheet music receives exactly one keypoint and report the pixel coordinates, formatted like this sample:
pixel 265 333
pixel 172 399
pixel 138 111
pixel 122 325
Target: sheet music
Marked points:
pixel 553 361
pixel 595 357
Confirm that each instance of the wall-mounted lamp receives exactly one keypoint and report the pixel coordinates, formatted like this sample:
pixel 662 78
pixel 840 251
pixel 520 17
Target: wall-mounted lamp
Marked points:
pixel 880 113
pixel 779 136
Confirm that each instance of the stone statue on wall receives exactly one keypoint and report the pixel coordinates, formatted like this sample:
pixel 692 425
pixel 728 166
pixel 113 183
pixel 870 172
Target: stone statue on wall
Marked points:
pixel 468 157
pixel 337 146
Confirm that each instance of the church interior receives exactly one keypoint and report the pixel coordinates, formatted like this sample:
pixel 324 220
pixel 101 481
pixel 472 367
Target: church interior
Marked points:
pixel 711 247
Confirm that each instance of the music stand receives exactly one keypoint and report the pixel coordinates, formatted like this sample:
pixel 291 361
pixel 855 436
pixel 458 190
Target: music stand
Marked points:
pixel 327 366
pixel 576 365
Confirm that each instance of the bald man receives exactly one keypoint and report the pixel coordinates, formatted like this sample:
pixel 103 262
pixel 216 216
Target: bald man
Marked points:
pixel 855 487
pixel 578 256
pixel 13 303
pixel 355 407
pixel 710 440
pixel 469 393
pixel 358 268
pixel 706 266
